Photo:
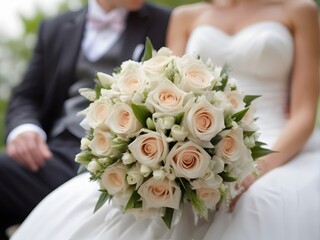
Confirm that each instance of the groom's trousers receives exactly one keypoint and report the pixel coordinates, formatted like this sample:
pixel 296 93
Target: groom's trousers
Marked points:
pixel 21 189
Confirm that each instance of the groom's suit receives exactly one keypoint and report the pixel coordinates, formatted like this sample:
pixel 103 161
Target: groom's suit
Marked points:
pixel 40 98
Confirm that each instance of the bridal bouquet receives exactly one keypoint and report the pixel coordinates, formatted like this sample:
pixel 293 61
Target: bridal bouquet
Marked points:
pixel 167 131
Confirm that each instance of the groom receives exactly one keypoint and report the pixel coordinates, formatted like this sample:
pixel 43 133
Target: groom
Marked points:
pixel 43 132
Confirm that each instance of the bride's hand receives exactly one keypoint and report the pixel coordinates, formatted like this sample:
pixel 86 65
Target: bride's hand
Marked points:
pixel 242 187
pixel 264 166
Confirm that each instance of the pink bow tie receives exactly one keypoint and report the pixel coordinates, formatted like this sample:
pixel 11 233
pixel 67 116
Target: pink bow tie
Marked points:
pixel 114 20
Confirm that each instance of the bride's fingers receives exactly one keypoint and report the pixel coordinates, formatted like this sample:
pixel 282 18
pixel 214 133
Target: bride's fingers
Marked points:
pixel 245 184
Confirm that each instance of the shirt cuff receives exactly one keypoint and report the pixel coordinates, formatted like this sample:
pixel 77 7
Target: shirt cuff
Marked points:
pixel 24 128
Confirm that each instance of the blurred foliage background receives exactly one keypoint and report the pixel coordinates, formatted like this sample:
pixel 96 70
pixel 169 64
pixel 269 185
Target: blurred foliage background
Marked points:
pixel 15 52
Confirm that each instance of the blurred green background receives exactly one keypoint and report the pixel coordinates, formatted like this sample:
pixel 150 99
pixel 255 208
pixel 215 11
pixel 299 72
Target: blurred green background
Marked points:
pixel 15 52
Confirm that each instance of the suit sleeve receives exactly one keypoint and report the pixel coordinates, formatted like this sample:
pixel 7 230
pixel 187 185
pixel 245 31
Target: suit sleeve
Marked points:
pixel 27 98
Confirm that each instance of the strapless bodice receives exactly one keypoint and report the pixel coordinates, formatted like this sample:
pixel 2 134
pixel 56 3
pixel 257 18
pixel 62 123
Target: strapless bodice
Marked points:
pixel 260 57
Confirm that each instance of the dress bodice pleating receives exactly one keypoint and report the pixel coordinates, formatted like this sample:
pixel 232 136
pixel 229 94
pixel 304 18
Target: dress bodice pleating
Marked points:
pixel 260 58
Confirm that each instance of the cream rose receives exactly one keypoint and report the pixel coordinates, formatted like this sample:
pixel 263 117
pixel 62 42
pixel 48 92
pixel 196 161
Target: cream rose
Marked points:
pixel 160 193
pixel 247 122
pixel 114 179
pixel 149 149
pixel 102 144
pixel 98 112
pixel 236 100
pixel 122 121
pixel 204 122
pixel 195 75
pixel 166 98
pixel 232 148
pixel 188 160
pixel 210 195
pixel 131 79
pixel 158 62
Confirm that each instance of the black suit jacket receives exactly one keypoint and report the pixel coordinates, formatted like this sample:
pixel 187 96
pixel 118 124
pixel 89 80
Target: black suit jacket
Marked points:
pixel 40 96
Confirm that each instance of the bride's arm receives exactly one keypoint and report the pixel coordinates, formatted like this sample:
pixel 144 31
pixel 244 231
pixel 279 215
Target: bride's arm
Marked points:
pixel 182 21
pixel 304 91
pixel 304 86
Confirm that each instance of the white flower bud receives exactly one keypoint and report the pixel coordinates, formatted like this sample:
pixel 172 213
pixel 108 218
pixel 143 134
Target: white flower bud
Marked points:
pixel 93 166
pixel 127 158
pixel 145 170
pixel 84 143
pixel 178 133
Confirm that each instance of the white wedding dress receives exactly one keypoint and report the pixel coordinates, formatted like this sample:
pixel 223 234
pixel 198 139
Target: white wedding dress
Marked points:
pixel 284 204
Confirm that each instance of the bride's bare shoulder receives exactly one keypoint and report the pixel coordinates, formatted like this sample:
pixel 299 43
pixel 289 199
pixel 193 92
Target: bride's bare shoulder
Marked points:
pixel 190 11
pixel 298 6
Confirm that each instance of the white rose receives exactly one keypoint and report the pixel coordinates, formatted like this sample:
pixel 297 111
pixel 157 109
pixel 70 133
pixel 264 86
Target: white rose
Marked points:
pixel 188 160
pixel 149 149
pixel 231 148
pixel 134 176
pixel 210 195
pixel 132 78
pixel 102 144
pixel 114 179
pixel 166 98
pixel 204 122
pixel 236 100
pixel 122 121
pixel 160 193
pixel 195 75
pixel 98 112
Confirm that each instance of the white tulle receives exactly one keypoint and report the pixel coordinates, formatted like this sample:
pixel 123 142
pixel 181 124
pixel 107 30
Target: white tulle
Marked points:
pixel 284 204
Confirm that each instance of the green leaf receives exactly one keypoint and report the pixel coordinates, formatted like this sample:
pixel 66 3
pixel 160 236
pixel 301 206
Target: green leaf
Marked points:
pixel 148 50
pixel 179 118
pixel 216 140
pixel 239 115
pixel 226 177
pixel 104 196
pixel 221 200
pixel 248 133
pixel 258 151
pixel 225 77
pixel 98 91
pixel 81 168
pixel 141 113
pixel 134 201
pixel 167 218
pixel 257 143
pixel 197 204
pixel 249 98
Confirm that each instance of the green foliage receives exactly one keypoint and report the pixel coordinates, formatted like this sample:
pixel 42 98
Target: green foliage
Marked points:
pixel 173 3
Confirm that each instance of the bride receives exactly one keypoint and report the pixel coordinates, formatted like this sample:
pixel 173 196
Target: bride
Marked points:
pixel 272 47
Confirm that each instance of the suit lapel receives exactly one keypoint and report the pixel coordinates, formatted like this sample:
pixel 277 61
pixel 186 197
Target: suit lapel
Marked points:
pixel 71 38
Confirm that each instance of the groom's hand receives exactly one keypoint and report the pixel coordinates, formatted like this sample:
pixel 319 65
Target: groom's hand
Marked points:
pixel 29 149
